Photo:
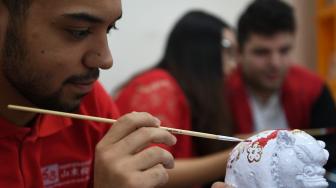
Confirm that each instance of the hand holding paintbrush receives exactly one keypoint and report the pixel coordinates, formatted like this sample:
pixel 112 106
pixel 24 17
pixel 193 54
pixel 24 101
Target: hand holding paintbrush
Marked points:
pixel 126 144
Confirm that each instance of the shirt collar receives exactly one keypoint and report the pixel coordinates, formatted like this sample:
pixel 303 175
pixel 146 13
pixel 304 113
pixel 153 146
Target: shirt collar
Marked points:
pixel 49 124
pixel 45 125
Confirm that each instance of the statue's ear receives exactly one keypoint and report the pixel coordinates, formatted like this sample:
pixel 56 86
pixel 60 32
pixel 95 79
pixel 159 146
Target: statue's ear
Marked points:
pixel 285 138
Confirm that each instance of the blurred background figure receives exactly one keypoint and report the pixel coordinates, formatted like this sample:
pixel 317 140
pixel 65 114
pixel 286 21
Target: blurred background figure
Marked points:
pixel 135 52
pixel 185 90
pixel 269 91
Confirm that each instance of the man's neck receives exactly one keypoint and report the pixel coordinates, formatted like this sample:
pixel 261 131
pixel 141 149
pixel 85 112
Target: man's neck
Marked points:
pixel 262 96
pixel 9 95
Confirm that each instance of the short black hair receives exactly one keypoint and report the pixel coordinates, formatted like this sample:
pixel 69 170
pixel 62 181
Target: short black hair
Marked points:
pixel 265 17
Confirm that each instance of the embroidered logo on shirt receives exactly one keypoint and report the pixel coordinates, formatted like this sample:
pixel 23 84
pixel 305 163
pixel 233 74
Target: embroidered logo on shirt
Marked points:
pixel 56 175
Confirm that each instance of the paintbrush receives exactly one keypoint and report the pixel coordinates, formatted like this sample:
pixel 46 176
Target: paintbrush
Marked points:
pixel 111 121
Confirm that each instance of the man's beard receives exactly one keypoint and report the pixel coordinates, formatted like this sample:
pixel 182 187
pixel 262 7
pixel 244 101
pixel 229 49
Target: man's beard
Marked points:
pixel 30 83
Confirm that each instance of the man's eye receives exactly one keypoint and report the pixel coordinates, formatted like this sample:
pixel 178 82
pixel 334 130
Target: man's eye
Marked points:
pixel 79 33
pixel 285 50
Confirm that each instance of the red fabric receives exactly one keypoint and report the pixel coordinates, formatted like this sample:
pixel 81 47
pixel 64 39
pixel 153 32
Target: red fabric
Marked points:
pixel 157 93
pixel 300 90
pixel 55 152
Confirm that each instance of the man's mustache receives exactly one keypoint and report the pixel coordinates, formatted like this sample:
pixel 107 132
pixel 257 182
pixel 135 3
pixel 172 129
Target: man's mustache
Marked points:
pixel 92 74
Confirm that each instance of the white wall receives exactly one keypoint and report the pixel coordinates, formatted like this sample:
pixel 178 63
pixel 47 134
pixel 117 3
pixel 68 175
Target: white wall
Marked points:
pixel 145 24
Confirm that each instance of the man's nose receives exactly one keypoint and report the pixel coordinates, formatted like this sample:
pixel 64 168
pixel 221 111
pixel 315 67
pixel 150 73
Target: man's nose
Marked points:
pixel 275 60
pixel 99 55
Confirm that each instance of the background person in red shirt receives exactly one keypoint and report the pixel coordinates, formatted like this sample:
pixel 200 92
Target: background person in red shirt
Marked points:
pixel 51 53
pixel 186 91
pixel 268 91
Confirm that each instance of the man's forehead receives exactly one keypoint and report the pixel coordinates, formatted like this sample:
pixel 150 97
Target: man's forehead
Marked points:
pixel 281 38
pixel 107 9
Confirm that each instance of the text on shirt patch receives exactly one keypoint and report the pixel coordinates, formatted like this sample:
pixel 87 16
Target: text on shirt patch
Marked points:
pixel 56 175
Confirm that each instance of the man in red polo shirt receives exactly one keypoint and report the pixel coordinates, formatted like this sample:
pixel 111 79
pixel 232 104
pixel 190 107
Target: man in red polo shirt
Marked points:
pixel 268 91
pixel 50 56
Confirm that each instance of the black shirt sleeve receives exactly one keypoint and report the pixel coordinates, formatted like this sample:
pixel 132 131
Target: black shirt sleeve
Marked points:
pixel 323 111
pixel 323 115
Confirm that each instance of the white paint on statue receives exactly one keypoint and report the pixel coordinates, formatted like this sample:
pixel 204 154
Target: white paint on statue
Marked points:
pixel 279 159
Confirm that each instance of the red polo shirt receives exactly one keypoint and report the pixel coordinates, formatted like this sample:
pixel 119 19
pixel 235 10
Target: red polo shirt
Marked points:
pixel 55 152
pixel 299 92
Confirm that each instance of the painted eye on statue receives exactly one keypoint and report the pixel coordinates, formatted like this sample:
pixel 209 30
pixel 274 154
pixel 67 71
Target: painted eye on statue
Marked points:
pixel 79 33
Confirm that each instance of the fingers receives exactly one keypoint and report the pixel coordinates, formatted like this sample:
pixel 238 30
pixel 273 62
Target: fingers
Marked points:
pixel 152 156
pixel 153 177
pixel 141 138
pixel 220 185
pixel 150 178
pixel 157 175
pixel 122 161
pixel 129 123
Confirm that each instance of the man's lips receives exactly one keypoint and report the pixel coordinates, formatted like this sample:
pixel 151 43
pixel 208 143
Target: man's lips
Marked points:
pixel 83 86
pixel 272 76
pixel 86 82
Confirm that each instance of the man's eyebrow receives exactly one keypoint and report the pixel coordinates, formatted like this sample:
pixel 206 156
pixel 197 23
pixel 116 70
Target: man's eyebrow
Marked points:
pixel 82 16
